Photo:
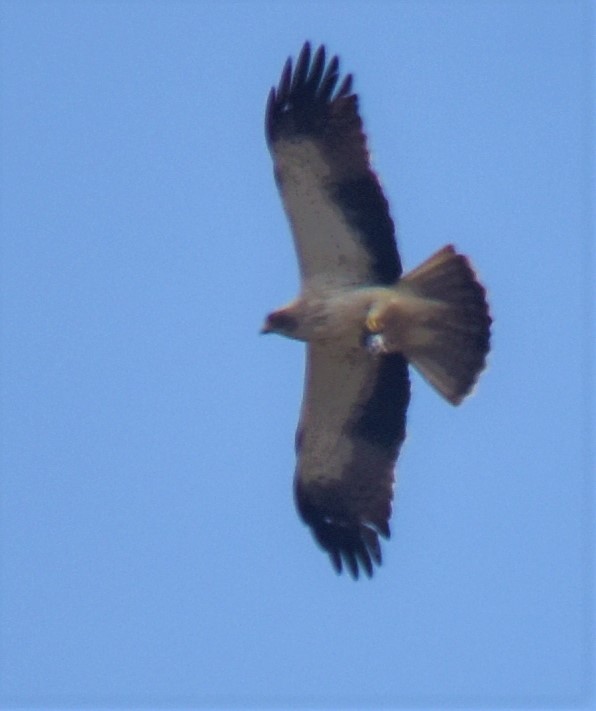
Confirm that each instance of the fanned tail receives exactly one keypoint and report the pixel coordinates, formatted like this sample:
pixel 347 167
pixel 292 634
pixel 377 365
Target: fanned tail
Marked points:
pixel 451 339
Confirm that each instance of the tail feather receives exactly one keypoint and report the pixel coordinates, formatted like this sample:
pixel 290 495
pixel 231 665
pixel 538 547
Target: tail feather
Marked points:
pixel 452 333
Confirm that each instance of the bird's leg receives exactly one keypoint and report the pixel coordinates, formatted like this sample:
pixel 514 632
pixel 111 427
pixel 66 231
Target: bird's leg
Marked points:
pixel 372 323
pixel 374 341
pixel 375 322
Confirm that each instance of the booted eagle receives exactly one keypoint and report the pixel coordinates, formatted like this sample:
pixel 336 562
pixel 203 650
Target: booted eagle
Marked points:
pixel 363 321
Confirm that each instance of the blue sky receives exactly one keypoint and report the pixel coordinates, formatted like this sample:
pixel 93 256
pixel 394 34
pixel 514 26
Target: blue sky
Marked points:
pixel 150 551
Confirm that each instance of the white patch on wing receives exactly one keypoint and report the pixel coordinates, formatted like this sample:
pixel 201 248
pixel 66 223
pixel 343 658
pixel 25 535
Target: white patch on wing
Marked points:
pixel 329 249
pixel 337 382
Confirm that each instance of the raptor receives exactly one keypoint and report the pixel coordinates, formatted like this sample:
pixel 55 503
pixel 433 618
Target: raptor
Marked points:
pixel 363 321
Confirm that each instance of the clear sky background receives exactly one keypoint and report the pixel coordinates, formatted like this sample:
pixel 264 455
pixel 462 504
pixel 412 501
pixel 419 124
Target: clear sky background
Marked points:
pixel 150 550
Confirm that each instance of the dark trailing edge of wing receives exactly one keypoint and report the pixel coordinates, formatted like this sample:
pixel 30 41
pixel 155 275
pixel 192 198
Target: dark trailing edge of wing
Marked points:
pixel 382 421
pixel 308 102
pixel 349 539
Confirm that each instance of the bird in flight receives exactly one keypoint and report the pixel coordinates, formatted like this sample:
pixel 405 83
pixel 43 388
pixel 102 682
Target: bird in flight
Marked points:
pixel 362 320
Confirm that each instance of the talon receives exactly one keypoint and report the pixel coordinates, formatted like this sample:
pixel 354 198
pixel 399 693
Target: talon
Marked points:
pixel 372 324
pixel 375 344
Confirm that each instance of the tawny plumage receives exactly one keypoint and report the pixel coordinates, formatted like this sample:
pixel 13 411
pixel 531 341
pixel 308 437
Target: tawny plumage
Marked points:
pixel 363 321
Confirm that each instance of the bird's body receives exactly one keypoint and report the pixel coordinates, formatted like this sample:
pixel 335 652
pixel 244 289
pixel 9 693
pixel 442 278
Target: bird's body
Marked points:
pixel 335 313
pixel 362 320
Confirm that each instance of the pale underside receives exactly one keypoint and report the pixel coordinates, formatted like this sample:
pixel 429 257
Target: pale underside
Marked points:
pixel 352 475
pixel 335 380
pixel 329 252
pixel 348 475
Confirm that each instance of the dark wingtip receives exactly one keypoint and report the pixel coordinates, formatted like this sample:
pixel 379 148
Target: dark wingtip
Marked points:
pixel 351 542
pixel 304 91
pixel 355 548
pixel 269 111
pixel 317 67
pixel 285 79
pixel 302 66
pixel 345 87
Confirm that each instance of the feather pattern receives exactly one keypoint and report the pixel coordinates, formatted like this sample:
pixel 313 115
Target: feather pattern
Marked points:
pixel 362 320
pixel 343 232
pixel 351 427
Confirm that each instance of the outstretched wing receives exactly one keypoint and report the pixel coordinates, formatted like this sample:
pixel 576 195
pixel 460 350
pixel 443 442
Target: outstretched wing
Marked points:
pixel 351 427
pixel 343 232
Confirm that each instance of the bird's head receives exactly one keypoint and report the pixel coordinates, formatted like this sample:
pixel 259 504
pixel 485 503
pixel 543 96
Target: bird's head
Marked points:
pixel 282 322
